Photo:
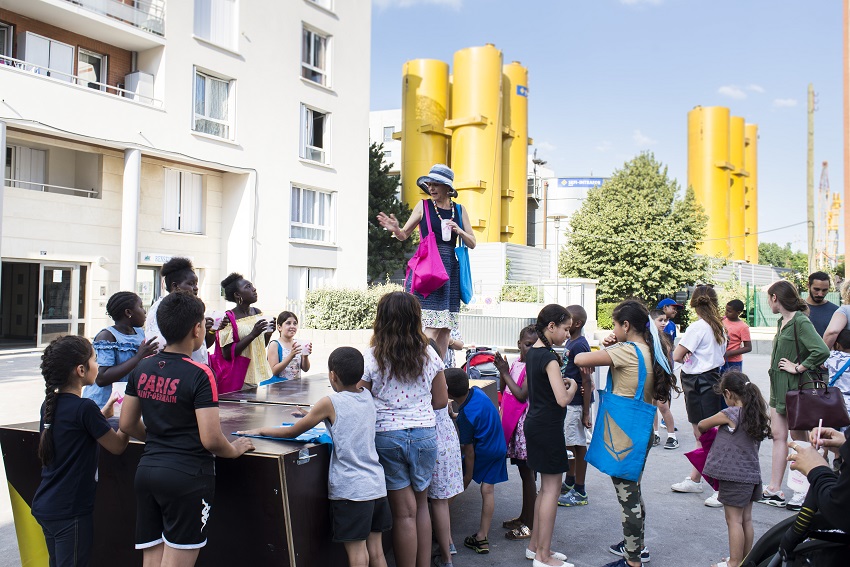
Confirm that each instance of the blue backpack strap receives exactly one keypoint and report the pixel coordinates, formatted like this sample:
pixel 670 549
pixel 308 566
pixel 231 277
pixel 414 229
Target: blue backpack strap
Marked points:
pixel 641 372
pixel 840 372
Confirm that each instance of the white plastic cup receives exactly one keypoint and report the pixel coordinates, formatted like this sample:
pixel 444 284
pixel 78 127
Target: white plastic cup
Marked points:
pixel 307 349
pixel 797 481
pixel 447 230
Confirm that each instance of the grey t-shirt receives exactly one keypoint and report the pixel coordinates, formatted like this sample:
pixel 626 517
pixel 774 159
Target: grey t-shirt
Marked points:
pixel 821 314
pixel 846 310
pixel 355 472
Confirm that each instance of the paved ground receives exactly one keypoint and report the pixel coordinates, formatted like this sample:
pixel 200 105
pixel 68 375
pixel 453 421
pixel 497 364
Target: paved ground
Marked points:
pixel 681 531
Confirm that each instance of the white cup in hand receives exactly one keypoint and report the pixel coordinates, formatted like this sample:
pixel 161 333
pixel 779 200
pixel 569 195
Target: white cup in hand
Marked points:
pixel 447 230
pixel 306 349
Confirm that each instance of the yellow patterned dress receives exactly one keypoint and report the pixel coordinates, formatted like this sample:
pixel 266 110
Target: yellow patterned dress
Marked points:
pixel 259 369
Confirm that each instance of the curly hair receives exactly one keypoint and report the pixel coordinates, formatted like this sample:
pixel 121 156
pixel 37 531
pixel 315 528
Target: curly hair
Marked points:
pixel 230 285
pixel 399 345
pixel 704 302
pixel 120 302
pixel 176 270
pixel 58 362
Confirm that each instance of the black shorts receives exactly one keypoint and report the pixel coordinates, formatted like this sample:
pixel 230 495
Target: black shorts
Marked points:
pixel 701 401
pixel 172 507
pixel 354 521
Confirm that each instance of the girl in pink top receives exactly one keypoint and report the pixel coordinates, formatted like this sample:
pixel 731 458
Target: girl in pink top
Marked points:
pixel 514 408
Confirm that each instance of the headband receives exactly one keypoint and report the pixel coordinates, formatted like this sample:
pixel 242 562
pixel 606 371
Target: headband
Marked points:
pixel 660 357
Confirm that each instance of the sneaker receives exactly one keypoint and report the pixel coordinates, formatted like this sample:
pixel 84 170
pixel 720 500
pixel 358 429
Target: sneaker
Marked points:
pixel 687 485
pixel 713 502
pixel 663 425
pixel 452 549
pixel 620 549
pixel 672 443
pixel 565 488
pixel 770 498
pixel 656 441
pixel 796 502
pixel 572 498
pixel 439 562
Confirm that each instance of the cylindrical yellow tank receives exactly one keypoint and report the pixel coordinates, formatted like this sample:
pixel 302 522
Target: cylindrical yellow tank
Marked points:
pixel 514 153
pixel 736 190
pixel 751 201
pixel 708 173
pixel 424 109
pixel 476 125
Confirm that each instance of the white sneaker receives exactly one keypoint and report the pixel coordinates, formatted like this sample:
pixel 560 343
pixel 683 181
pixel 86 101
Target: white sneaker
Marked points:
pixel 796 502
pixel 687 485
pixel 713 502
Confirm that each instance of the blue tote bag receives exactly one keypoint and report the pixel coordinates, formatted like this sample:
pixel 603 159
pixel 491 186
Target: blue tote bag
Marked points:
pixel 622 430
pixel 462 253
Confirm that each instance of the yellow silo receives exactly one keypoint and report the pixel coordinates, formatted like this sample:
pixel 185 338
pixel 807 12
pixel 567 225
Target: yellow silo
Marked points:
pixel 736 191
pixel 514 153
pixel 708 173
pixel 476 125
pixel 424 109
pixel 751 202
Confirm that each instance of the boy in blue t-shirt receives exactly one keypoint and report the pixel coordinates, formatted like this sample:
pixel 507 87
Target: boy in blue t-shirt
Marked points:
pixel 578 418
pixel 482 442
pixel 670 308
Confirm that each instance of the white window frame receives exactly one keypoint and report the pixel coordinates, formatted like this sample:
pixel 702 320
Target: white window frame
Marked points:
pixel 323 4
pixel 10 33
pixel 103 68
pixel 392 131
pixel 329 228
pixel 230 41
pixel 305 276
pixel 307 123
pixel 230 122
pixel 309 67
pixel 27 166
pixel 176 200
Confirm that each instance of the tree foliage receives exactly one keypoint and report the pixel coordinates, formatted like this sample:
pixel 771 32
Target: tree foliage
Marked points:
pixel 773 254
pixel 636 236
pixel 386 253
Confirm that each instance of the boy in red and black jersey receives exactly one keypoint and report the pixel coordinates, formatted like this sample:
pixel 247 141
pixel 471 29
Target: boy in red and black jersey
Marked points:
pixel 177 398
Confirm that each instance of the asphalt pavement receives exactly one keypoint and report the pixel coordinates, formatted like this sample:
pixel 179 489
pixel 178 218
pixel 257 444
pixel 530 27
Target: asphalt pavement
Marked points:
pixel 680 530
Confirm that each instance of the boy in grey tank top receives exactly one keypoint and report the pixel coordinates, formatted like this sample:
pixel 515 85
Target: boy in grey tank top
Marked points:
pixel 356 485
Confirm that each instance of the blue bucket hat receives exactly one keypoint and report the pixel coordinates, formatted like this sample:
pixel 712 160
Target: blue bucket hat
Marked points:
pixel 439 173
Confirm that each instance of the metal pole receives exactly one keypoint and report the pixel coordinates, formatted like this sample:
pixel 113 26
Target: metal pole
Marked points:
pixel 2 187
pixel 810 179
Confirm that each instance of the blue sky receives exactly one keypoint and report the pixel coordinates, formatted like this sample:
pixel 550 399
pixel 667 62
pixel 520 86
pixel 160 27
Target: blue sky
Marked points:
pixel 610 78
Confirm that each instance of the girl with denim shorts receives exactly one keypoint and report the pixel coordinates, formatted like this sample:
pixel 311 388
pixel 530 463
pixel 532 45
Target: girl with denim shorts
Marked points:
pixel 405 376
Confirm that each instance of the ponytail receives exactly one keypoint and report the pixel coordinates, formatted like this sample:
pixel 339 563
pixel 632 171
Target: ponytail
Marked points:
pixel 704 302
pixel 787 296
pixel 552 313
pixel 58 362
pixel 754 418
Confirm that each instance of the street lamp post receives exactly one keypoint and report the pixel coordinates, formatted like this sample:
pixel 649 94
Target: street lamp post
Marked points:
pixel 556 222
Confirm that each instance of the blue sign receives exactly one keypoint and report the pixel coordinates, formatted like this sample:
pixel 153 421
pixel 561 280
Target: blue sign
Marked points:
pixel 522 90
pixel 581 182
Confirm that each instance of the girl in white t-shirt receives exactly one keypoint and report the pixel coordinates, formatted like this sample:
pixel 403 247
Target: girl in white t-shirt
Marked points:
pixel 701 353
pixel 405 376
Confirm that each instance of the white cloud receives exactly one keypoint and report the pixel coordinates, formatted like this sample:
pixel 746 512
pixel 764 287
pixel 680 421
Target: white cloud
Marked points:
pixel 384 4
pixel 732 91
pixel 756 88
pixel 642 139
pixel 784 102
pixel 604 146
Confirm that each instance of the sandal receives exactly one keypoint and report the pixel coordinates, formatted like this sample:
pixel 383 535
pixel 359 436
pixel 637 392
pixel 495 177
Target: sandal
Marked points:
pixel 511 524
pixel 521 532
pixel 477 545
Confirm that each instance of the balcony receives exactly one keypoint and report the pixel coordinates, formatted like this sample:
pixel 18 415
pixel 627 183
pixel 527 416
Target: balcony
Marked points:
pixel 25 67
pixel 135 25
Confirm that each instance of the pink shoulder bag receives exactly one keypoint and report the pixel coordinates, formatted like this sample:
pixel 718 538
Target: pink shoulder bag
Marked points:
pixel 425 270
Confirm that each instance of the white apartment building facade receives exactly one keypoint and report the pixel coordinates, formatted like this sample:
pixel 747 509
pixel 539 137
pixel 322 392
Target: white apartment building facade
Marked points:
pixel 228 131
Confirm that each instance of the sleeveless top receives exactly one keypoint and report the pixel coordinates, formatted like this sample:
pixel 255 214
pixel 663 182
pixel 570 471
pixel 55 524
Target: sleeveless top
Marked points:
pixel 111 353
pixel 734 456
pixel 436 223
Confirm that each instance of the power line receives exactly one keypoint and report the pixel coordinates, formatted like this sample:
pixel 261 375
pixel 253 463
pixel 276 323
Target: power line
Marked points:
pixel 684 241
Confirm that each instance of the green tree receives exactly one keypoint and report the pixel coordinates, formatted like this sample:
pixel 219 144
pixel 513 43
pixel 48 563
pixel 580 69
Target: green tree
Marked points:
pixel 635 235
pixel 386 253
pixel 773 254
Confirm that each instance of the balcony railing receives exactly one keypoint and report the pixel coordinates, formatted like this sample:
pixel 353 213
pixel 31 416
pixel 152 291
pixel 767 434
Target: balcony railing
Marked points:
pixel 44 187
pixel 81 82
pixel 147 15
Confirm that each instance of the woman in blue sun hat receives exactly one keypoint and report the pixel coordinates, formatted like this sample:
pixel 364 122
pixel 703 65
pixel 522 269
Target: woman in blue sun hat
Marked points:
pixel 440 308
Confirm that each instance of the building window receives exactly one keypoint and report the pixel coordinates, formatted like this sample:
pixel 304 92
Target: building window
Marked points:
pixel 388 133
pixel 216 21
pixel 303 278
pixel 212 105
pixel 314 49
pixel 315 134
pixel 46 56
pixel 91 69
pixel 326 4
pixel 312 215
pixel 26 168
pixel 6 34
pixel 183 202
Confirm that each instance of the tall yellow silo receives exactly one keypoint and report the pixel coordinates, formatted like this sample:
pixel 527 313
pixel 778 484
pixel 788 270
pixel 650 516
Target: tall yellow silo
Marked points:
pixel 424 109
pixel 514 153
pixel 736 191
pixel 708 173
pixel 476 125
pixel 751 202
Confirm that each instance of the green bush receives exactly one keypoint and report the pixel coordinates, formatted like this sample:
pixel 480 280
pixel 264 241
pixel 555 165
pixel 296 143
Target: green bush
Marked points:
pixel 343 309
pixel 520 292
pixel 603 315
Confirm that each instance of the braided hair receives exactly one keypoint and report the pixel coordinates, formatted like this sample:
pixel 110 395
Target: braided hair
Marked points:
pixel 552 313
pixel 121 302
pixel 58 362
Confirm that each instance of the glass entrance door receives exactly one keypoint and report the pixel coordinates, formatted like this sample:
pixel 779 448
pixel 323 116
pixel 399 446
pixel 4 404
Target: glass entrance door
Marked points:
pixel 59 302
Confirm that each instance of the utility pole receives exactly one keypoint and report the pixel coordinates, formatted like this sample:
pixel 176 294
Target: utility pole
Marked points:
pixel 810 179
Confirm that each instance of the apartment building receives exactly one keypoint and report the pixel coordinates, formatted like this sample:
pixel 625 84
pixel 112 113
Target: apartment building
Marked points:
pixel 230 131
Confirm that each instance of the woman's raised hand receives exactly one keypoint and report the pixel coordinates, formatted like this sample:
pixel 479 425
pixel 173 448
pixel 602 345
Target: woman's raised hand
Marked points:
pixel 388 222
pixel 260 327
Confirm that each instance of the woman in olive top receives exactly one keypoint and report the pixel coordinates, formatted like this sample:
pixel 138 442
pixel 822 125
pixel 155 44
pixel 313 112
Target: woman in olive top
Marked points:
pixel 787 364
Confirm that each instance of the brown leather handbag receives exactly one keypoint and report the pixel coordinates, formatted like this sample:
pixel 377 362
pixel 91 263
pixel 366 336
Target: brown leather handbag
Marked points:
pixel 813 401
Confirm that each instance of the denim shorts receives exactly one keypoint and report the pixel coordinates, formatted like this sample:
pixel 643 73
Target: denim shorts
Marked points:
pixel 408 457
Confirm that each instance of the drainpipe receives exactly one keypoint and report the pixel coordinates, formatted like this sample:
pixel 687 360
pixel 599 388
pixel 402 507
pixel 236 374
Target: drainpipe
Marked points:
pixel 130 218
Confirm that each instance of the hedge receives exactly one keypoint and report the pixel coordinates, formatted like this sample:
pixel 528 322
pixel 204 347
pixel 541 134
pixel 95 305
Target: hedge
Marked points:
pixel 603 315
pixel 521 292
pixel 344 309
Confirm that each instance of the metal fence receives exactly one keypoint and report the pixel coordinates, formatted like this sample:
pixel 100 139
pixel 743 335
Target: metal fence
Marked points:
pixel 484 330
pixel 758 310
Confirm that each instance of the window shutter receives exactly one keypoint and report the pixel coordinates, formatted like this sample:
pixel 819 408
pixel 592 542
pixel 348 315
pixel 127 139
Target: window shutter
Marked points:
pixel 202 18
pixel 191 202
pixel 38 162
pixel 62 60
pixel 171 200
